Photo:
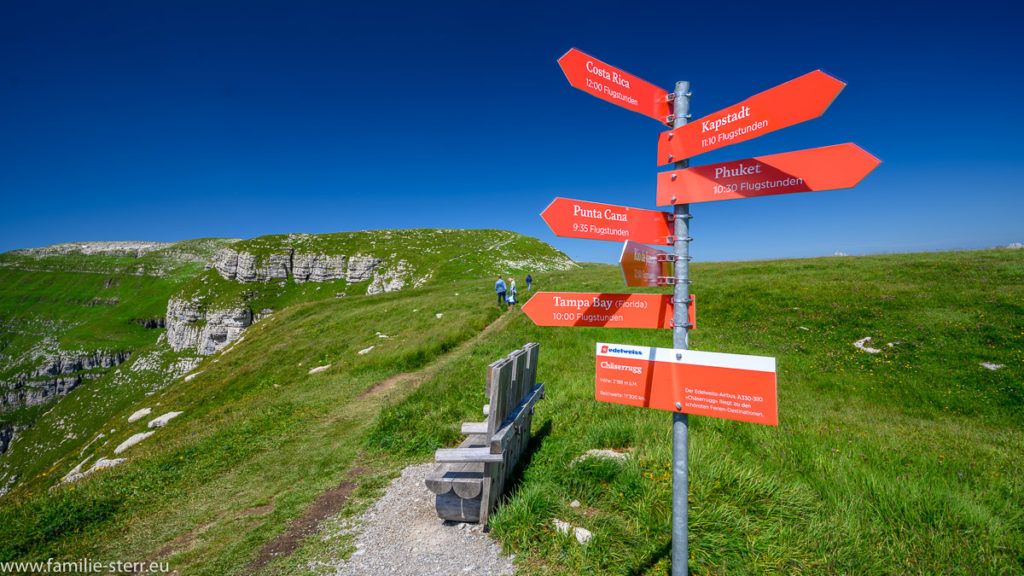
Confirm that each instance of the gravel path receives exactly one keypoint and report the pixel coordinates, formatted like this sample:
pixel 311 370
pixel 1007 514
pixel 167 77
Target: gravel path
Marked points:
pixel 402 534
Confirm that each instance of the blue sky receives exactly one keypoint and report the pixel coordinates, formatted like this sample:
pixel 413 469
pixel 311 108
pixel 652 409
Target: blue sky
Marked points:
pixel 174 120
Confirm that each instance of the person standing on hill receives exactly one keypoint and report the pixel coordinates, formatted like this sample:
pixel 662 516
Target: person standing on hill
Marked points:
pixel 512 291
pixel 529 280
pixel 500 288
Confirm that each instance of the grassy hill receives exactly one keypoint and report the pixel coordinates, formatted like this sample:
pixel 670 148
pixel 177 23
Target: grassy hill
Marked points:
pixel 902 461
pixel 73 300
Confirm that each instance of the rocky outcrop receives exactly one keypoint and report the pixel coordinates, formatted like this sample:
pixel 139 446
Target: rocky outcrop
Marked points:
pixel 318 267
pixel 391 280
pixel 301 266
pixel 150 323
pixel 361 268
pixel 189 326
pixel 7 434
pixel 57 375
pixel 64 364
pixel 125 248
pixel 246 267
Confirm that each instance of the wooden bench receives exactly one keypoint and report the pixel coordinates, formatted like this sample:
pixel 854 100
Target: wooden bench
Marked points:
pixel 469 479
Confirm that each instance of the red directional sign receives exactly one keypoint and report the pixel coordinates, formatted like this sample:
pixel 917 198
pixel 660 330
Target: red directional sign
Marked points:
pixel 603 310
pixel 616 86
pixel 643 265
pixel 580 219
pixel 796 101
pixel 731 386
pixel 827 168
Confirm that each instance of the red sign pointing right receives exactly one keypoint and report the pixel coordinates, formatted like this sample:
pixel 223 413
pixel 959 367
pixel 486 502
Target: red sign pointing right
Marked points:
pixel 643 265
pixel 827 168
pixel 796 101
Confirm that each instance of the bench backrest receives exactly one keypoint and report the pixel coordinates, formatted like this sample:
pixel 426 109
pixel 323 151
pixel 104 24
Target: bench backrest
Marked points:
pixel 508 381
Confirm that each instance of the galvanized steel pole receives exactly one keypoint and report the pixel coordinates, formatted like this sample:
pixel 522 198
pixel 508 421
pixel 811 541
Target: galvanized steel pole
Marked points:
pixel 681 341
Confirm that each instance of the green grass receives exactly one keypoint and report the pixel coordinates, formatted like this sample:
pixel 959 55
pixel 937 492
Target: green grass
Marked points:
pixel 257 429
pixel 902 462
pixel 85 303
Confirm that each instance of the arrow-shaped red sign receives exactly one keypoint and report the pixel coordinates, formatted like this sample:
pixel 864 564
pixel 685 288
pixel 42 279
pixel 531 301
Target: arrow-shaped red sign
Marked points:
pixel 604 310
pixel 581 219
pixel 616 86
pixel 814 170
pixel 643 265
pixel 796 101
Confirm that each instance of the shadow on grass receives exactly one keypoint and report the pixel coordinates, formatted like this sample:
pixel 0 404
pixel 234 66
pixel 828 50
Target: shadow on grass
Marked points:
pixel 515 480
pixel 659 554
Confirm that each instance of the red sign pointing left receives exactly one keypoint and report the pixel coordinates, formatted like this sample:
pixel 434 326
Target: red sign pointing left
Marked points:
pixel 616 86
pixel 603 310
pixel 580 219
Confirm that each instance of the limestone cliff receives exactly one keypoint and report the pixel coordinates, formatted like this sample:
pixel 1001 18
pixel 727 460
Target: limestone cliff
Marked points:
pixel 190 326
pixel 58 373
pixel 243 266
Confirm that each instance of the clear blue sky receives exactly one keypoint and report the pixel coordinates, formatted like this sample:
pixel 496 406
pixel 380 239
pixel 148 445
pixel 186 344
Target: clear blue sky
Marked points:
pixel 174 120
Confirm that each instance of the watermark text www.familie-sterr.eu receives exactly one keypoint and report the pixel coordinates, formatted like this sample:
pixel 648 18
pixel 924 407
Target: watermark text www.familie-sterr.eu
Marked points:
pixel 84 566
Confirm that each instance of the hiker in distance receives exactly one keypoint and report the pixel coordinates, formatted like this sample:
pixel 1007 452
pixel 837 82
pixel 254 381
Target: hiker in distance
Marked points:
pixel 529 280
pixel 512 291
pixel 500 288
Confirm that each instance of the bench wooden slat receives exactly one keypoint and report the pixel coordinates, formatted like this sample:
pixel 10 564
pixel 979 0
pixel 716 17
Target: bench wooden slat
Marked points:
pixel 501 379
pixel 474 427
pixel 501 439
pixel 466 455
pixel 533 353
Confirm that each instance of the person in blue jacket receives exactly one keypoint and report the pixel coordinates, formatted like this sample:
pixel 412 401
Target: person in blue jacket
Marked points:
pixel 501 289
pixel 529 280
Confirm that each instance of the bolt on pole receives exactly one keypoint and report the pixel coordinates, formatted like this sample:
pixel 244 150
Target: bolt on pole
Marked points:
pixel 681 341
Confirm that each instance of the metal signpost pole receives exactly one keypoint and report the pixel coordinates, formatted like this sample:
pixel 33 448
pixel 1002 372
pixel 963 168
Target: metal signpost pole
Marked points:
pixel 681 341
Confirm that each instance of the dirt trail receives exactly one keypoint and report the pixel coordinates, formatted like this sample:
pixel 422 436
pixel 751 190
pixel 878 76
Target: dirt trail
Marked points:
pixel 427 372
pixel 333 500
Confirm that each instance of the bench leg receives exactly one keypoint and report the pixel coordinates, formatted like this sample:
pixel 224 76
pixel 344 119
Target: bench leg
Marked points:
pixel 451 506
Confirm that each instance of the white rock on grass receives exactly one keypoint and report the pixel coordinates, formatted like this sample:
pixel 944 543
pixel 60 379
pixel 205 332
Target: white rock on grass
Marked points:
pixel 862 345
pixel 99 465
pixel 162 420
pixel 992 366
pixel 438 315
pixel 135 439
pixel 366 350
pixel 582 534
pixel 75 472
pixel 602 453
pixel 105 463
pixel 139 414
pixel 193 375
pixel 319 369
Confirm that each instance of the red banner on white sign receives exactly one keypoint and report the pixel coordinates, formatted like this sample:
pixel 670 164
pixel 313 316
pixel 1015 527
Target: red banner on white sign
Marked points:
pixel 730 386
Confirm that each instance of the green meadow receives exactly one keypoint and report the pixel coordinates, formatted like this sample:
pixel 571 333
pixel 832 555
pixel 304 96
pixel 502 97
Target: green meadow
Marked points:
pixel 904 461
